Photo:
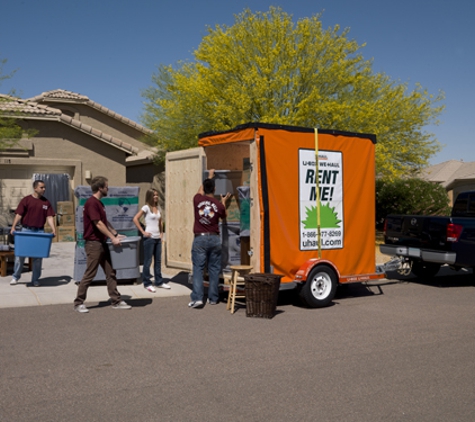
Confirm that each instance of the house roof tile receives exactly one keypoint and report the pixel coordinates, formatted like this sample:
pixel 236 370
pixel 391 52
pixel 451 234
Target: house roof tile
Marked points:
pixel 61 95
pixel 144 156
pixel 11 105
pixel 445 173
pixel 15 107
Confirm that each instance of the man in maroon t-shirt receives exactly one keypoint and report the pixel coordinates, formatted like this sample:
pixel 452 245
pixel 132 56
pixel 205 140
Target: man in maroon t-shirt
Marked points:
pixel 96 232
pixel 206 247
pixel 34 211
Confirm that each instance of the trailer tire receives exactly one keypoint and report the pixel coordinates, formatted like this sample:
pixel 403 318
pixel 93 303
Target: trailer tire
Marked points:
pixel 320 287
pixel 425 269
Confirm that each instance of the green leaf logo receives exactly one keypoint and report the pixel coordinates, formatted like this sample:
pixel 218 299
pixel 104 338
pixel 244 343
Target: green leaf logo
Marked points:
pixel 328 217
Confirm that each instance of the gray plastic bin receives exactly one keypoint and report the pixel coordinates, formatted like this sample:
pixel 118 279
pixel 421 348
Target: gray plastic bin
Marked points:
pixel 127 255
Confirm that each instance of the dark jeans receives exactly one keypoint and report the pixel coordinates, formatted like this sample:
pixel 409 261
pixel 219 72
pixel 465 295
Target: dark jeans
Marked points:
pixel 152 249
pixel 98 253
pixel 206 249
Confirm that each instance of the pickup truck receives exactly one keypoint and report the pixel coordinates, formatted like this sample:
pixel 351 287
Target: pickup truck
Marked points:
pixel 425 243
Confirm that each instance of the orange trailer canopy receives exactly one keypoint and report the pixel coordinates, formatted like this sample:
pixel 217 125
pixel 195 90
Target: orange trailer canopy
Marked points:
pixel 288 180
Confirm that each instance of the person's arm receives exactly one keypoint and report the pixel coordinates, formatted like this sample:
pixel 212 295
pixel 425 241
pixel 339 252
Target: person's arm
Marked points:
pixel 16 220
pixel 224 199
pixel 210 176
pixel 50 221
pixel 136 220
pixel 160 226
pixel 115 232
pixel 108 231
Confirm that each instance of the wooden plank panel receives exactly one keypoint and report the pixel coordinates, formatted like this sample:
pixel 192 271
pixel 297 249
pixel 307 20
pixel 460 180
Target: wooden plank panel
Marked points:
pixel 255 238
pixel 184 173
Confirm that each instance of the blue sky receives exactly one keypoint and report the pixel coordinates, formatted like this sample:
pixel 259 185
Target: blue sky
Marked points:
pixel 108 50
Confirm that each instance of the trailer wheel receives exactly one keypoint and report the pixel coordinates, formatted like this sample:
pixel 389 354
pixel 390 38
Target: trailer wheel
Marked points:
pixel 320 287
pixel 425 269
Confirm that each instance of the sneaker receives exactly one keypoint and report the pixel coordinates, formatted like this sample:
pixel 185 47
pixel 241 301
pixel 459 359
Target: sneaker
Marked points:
pixel 151 289
pixel 13 282
pixel 121 305
pixel 212 302
pixel 195 304
pixel 36 283
pixel 164 286
pixel 81 309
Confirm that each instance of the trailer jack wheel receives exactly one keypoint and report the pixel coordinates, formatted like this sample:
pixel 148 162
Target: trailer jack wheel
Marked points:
pixel 320 287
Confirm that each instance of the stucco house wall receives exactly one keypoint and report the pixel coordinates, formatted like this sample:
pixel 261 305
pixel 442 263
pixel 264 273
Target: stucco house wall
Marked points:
pixel 91 113
pixel 59 143
pixel 75 136
pixel 105 123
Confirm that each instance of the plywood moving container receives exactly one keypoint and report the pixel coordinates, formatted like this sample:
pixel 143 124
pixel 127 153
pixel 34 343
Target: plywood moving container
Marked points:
pixel 312 203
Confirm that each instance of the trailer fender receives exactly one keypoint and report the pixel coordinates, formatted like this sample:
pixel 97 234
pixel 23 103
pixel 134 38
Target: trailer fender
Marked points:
pixel 302 274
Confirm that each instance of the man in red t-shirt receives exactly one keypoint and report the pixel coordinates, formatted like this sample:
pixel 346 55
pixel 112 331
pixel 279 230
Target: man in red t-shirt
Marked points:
pixel 206 247
pixel 34 211
pixel 96 232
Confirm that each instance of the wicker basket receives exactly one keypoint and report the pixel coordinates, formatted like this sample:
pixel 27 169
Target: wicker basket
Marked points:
pixel 262 291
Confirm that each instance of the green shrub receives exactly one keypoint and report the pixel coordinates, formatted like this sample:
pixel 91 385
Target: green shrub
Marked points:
pixel 410 196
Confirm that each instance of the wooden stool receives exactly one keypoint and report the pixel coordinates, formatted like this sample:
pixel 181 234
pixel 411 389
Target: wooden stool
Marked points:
pixel 6 256
pixel 236 280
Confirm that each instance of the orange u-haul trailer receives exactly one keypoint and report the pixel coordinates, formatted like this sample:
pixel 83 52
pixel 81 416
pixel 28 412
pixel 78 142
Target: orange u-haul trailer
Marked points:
pixel 312 203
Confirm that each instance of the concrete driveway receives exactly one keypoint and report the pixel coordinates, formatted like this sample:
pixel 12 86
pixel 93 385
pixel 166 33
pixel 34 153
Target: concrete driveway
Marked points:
pixel 58 287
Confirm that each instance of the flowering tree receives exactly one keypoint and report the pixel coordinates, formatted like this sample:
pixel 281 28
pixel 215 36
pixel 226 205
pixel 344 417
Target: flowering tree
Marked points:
pixel 267 68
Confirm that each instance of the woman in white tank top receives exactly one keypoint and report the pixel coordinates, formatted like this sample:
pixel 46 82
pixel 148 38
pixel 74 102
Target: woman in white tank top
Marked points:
pixel 152 240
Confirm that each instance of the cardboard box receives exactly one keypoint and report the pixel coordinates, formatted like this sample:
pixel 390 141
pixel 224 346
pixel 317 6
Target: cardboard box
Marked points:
pixel 65 207
pixel 246 177
pixel 47 229
pixel 233 213
pixel 66 220
pixel 66 234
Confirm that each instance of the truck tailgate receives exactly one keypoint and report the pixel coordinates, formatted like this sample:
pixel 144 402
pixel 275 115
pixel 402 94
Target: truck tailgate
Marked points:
pixel 418 231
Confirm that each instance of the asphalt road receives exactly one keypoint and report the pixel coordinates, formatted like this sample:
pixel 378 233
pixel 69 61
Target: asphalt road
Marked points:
pixel 396 351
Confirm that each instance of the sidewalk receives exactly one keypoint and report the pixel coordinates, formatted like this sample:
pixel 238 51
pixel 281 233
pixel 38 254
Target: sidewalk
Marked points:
pixel 58 287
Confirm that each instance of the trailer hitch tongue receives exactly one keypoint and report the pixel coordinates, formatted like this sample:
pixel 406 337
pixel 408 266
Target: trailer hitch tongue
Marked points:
pixel 394 264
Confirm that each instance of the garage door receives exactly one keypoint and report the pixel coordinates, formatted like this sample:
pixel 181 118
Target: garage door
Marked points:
pixel 16 183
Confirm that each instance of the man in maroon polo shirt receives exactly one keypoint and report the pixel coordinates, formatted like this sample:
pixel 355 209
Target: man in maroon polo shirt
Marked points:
pixel 206 249
pixel 96 231
pixel 34 211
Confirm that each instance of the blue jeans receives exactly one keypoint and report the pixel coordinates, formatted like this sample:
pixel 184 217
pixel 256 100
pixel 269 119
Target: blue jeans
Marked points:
pixel 206 249
pixel 152 248
pixel 36 265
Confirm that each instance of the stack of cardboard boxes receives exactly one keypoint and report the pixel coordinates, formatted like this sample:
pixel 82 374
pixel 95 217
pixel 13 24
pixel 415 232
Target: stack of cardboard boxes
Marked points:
pixel 65 231
pixel 48 229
